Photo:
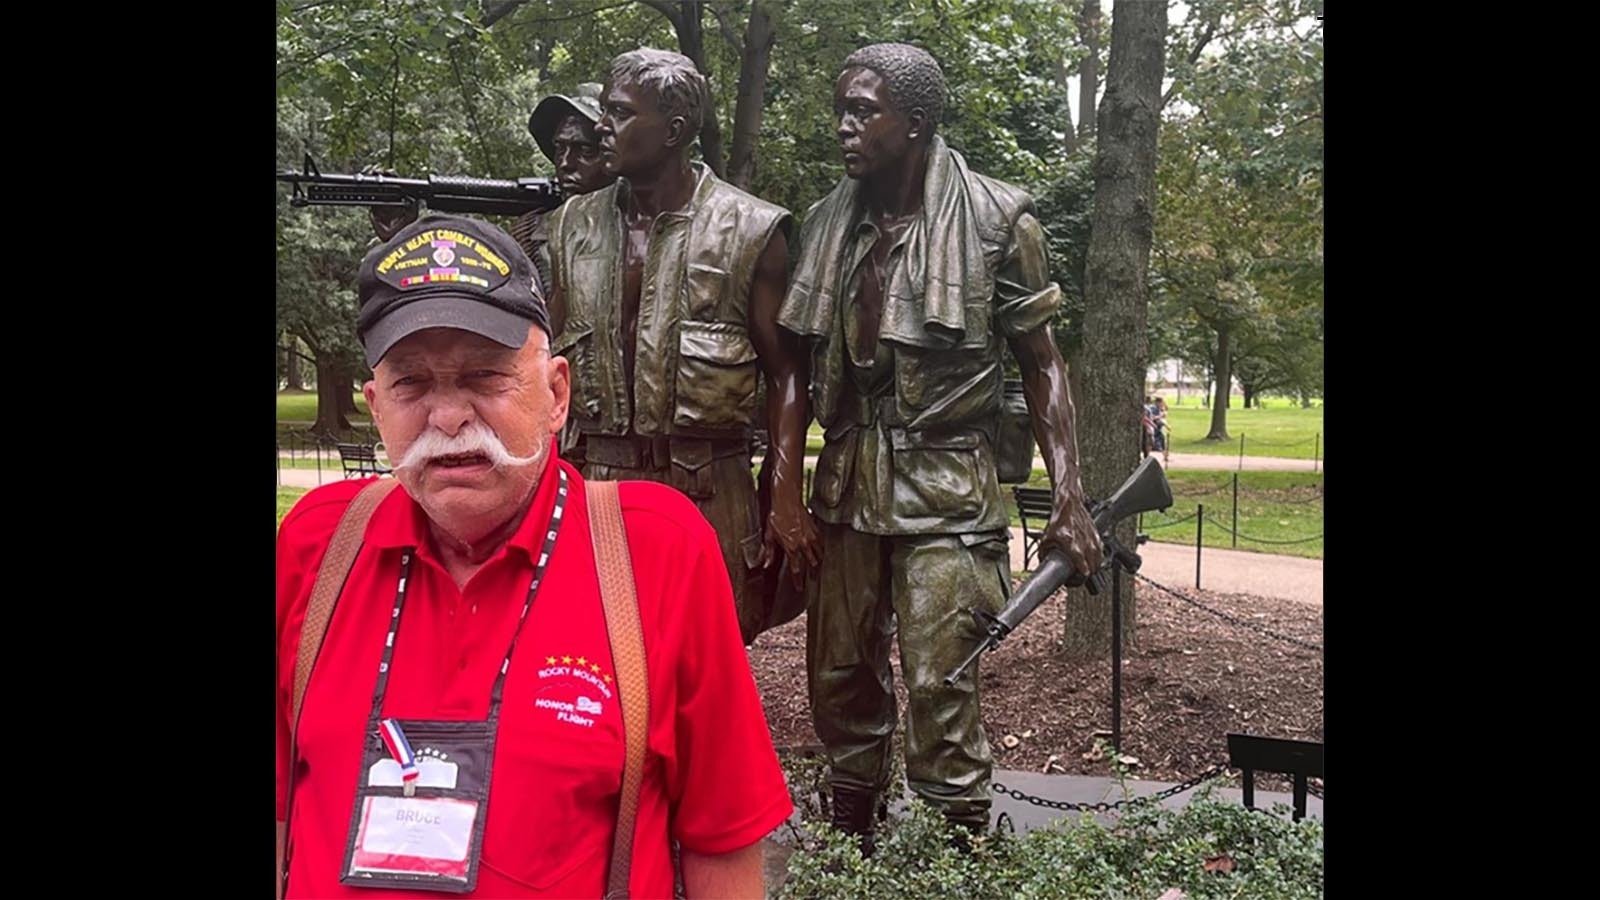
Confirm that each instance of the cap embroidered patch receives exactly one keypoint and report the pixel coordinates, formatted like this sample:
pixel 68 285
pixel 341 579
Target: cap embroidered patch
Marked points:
pixel 443 256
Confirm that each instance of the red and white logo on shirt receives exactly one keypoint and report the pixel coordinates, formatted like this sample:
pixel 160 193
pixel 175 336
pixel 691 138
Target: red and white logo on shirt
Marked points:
pixel 574 689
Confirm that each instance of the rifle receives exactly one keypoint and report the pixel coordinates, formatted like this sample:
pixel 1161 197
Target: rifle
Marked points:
pixel 1145 490
pixel 444 193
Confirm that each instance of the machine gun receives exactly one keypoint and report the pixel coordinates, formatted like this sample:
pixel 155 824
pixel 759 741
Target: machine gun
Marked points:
pixel 444 193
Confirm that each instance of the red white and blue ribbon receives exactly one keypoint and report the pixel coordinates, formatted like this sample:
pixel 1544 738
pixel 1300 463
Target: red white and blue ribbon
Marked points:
pixel 400 749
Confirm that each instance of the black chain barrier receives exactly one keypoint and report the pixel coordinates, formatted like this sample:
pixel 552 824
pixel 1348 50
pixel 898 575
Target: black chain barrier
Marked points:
pixel 1229 617
pixel 1212 490
pixel 1312 499
pixel 1148 526
pixel 1251 440
pixel 1246 537
pixel 1118 806
pixel 1251 492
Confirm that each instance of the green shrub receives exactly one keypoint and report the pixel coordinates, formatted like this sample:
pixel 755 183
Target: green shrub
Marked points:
pixel 1253 855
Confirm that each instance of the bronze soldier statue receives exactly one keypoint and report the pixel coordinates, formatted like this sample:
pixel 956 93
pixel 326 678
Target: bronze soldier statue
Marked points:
pixel 563 127
pixel 666 292
pixel 913 275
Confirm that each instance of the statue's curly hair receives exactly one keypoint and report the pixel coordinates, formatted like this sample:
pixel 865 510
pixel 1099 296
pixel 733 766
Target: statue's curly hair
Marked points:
pixel 912 75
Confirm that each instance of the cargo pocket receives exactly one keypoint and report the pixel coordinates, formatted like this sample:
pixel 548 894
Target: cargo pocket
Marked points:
pixel 936 476
pixel 716 385
pixel 690 472
pixel 990 553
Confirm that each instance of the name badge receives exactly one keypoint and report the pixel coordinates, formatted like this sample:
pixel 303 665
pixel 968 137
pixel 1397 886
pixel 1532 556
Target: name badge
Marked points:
pixel 414 836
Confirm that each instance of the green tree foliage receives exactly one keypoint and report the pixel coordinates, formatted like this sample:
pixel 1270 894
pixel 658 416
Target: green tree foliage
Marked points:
pixel 1238 261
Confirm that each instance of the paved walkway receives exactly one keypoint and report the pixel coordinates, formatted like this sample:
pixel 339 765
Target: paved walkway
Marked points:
pixel 1232 463
pixel 1226 571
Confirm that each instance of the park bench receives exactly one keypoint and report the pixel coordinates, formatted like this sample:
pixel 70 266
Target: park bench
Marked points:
pixel 360 459
pixel 1032 503
pixel 1301 759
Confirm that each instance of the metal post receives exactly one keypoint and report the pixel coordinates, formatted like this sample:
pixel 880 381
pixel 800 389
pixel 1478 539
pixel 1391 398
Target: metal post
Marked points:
pixel 277 460
pixel 1236 510
pixel 1199 539
pixel 319 462
pixel 1241 449
pixel 1116 656
pixel 1316 453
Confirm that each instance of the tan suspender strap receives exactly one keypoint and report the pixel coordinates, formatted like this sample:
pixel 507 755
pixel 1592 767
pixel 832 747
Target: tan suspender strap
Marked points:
pixel 331 575
pixel 627 655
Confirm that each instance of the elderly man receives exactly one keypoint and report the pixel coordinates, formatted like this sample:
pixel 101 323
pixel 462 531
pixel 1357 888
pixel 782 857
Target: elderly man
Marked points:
pixel 667 288
pixel 482 717
pixel 914 274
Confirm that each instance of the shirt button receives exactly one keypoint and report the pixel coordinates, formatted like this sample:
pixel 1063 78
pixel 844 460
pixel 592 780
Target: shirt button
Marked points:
pixel 463 665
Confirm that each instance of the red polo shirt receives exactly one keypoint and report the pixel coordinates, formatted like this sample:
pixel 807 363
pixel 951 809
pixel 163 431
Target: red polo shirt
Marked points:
pixel 711 781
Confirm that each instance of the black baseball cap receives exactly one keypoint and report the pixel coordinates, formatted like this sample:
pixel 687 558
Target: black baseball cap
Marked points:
pixel 448 272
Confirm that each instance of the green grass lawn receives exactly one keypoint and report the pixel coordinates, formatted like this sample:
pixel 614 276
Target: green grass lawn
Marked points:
pixel 287 497
pixel 296 412
pixel 1273 506
pixel 303 407
pixel 1288 432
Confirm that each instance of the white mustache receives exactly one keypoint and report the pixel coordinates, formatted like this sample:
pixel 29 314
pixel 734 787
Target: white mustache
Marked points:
pixel 474 438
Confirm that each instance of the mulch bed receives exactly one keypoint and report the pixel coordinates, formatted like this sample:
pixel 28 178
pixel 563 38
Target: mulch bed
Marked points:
pixel 1190 679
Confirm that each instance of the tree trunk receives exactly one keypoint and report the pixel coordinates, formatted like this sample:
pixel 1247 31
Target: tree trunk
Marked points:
pixel 330 420
pixel 291 367
pixel 1250 401
pixel 691 43
pixel 1089 73
pixel 346 394
pixel 1116 293
pixel 754 58
pixel 1223 366
pixel 1305 400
